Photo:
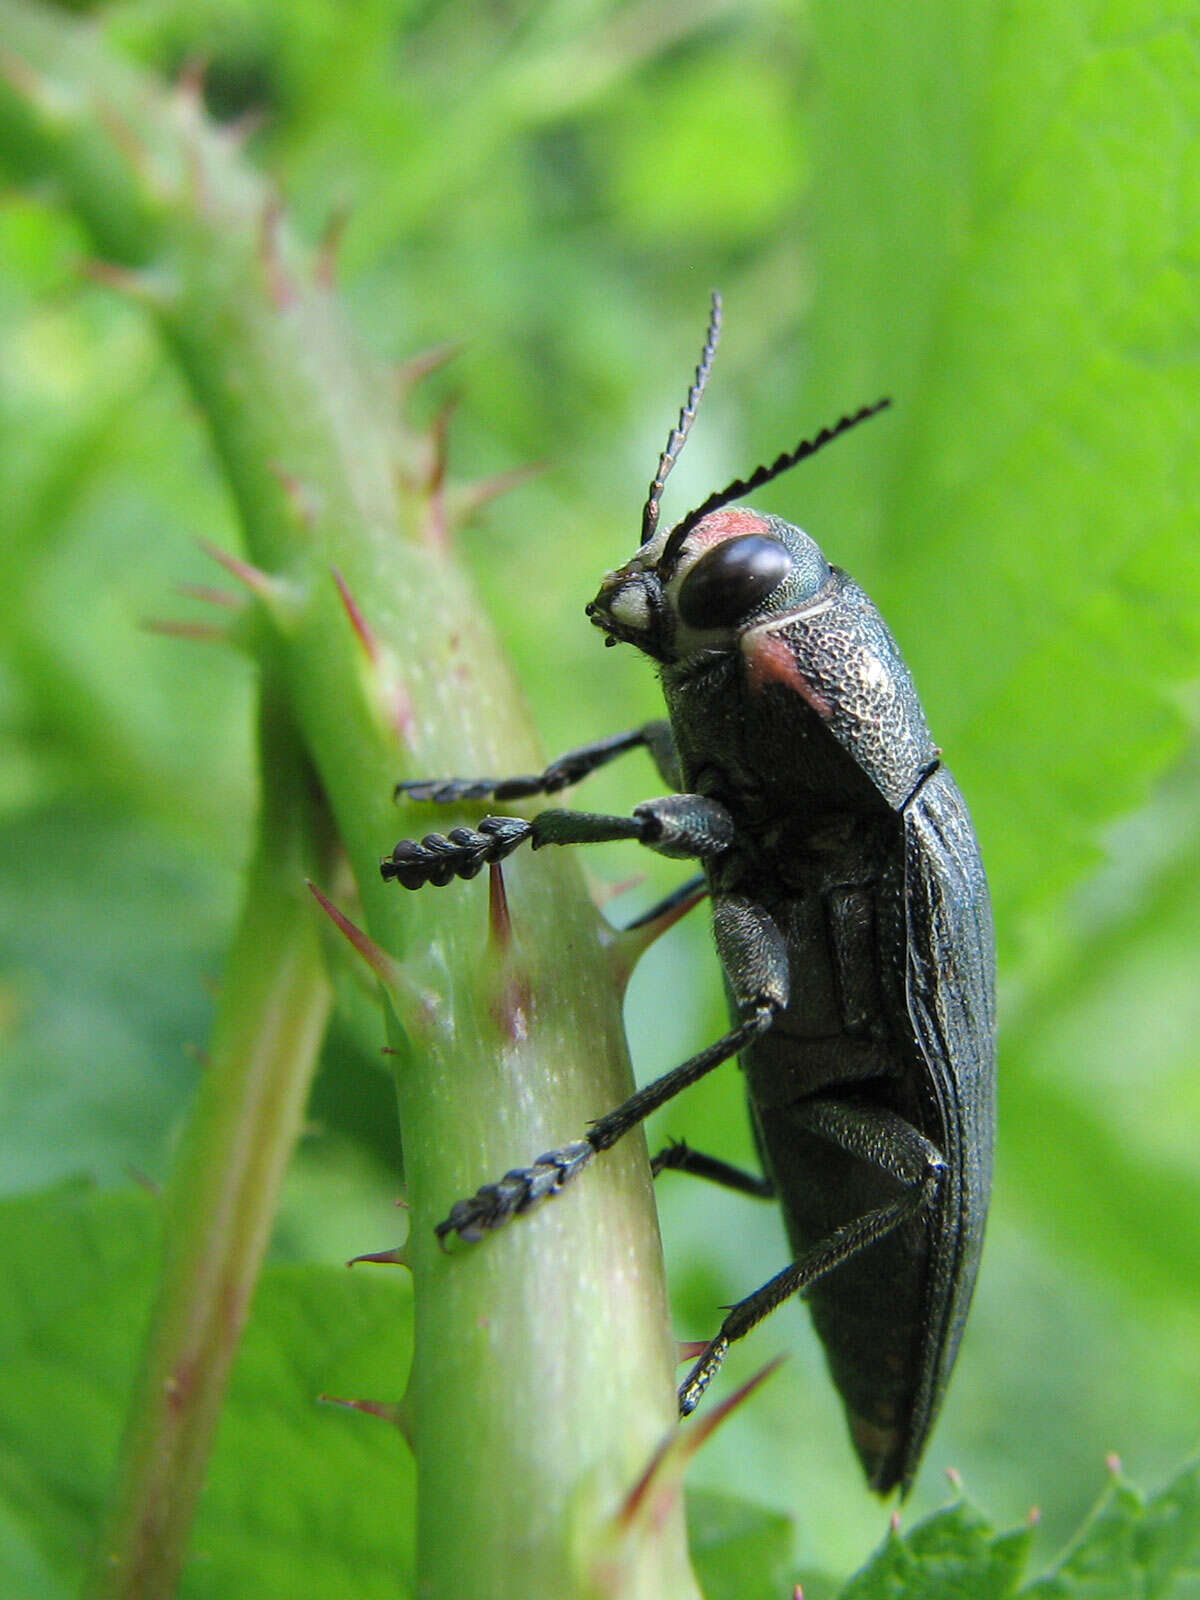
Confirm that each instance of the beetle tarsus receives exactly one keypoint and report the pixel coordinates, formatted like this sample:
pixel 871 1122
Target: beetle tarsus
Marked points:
pixel 461 853
pixel 491 1206
pixel 691 1390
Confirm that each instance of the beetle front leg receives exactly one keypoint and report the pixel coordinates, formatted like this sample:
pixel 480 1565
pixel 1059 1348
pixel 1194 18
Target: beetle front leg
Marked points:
pixel 568 769
pixel 679 825
pixel 760 989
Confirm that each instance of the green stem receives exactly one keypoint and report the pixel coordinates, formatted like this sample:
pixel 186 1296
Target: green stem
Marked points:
pixel 542 1379
pixel 275 999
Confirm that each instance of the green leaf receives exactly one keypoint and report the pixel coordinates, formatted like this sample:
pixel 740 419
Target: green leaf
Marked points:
pixel 738 1548
pixel 294 1487
pixel 952 1555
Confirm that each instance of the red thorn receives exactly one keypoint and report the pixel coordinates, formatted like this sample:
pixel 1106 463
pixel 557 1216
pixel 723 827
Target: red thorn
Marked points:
pixel 435 529
pixel 127 140
pixel 689 1350
pixel 143 1181
pixel 329 245
pixel 1034 1516
pixel 204 632
pixel 385 968
pixel 192 79
pixel 391 1411
pixel 260 583
pixel 23 80
pixel 471 497
pixel 895 1522
pixel 357 621
pixel 659 1484
pixel 626 946
pixel 409 373
pixel 211 595
pixel 138 286
pixel 392 1258
pixel 499 916
pixel 302 500
pixel 1113 1462
pixel 603 893
pixel 197 1052
pixel 798 1592
pixel 954 1479
pixel 279 286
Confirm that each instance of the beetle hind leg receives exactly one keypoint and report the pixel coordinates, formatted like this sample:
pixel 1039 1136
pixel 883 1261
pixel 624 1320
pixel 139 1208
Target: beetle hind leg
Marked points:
pixel 680 1157
pixel 876 1135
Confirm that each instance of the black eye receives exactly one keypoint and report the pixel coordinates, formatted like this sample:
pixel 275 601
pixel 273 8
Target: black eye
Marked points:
pixel 732 580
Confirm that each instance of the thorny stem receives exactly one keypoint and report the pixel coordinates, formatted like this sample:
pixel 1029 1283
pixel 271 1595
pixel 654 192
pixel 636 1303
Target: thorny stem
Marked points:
pixel 275 999
pixel 542 1374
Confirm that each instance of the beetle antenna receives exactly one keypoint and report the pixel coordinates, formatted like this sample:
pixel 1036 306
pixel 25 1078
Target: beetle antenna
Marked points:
pixel 686 417
pixel 761 475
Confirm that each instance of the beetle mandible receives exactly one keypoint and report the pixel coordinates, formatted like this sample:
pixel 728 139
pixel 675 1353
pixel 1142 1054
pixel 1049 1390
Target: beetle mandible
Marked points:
pixel 852 921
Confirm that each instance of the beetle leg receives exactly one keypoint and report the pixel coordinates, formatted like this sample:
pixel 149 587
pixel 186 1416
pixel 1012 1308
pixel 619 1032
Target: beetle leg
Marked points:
pixel 686 825
pixel 680 1157
pixel 560 774
pixel 760 991
pixel 878 1136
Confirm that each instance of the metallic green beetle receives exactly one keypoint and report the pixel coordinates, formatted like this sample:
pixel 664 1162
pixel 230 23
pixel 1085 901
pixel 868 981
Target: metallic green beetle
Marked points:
pixel 851 916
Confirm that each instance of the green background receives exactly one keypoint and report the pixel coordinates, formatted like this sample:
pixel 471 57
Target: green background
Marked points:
pixel 991 212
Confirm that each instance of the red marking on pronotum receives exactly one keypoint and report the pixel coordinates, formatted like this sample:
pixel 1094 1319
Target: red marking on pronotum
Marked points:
pixel 770 659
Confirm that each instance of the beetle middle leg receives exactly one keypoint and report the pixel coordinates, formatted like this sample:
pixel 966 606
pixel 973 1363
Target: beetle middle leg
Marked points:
pixel 755 958
pixel 873 1134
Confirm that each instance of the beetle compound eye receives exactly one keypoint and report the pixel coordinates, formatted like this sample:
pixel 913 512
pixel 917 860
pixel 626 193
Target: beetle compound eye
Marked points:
pixel 732 580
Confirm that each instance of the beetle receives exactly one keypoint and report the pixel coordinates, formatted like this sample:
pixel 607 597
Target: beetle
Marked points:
pixel 852 920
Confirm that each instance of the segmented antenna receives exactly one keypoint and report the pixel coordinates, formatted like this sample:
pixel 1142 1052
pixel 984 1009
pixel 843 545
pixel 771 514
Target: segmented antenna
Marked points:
pixel 686 417
pixel 761 475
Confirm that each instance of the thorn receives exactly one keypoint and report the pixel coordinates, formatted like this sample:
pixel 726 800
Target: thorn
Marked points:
pixel 499 916
pixel 894 1524
pixel 143 1181
pixel 393 1411
pixel 385 967
pixel 1112 1462
pixel 32 87
pixel 193 77
pixel 466 499
pixel 329 245
pixel 145 290
pixel 410 373
pixel 435 526
pixel 358 622
pixel 417 1008
pixel 279 285
pixel 1034 1516
pixel 689 1350
pixel 604 892
pixel 203 632
pixel 130 144
pixel 211 595
pixel 303 501
pixel 954 1479
pixel 625 947
pixel 394 1258
pixel 655 1493
pixel 798 1592
pixel 260 584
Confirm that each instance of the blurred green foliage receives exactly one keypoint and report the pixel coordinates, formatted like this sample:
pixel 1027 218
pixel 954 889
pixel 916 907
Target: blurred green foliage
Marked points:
pixel 988 211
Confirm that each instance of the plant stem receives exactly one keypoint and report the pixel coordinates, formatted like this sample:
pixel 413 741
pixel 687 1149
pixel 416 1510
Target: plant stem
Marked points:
pixel 275 1000
pixel 542 1375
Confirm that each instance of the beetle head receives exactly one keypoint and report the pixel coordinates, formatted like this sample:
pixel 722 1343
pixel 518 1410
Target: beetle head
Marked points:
pixel 682 597
pixel 691 592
